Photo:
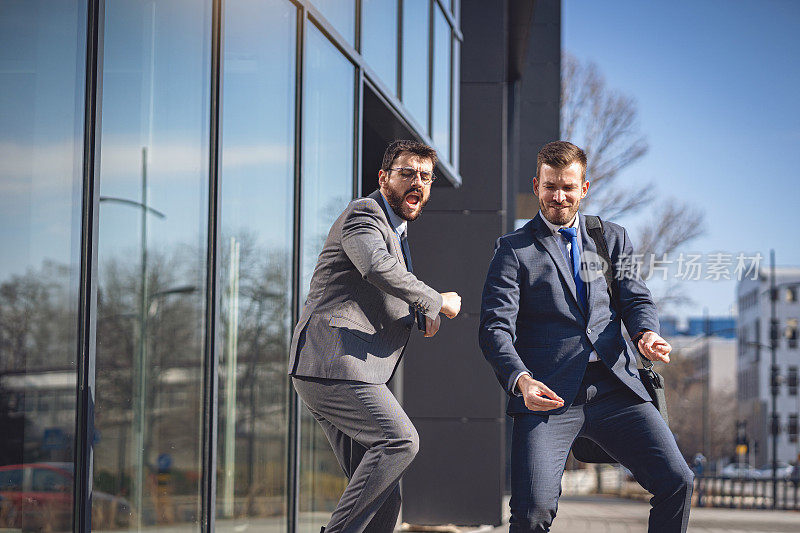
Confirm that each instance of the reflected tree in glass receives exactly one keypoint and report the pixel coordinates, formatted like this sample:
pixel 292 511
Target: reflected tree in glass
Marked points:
pixel 42 58
pixel 257 198
pixel 152 260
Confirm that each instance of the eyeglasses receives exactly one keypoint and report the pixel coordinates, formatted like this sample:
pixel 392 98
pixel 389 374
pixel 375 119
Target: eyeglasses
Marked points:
pixel 408 174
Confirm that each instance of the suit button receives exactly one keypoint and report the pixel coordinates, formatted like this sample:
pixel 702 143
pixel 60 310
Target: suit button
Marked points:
pixel 589 331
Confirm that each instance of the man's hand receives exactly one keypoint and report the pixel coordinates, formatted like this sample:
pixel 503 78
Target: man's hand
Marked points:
pixel 432 326
pixel 451 304
pixel 652 346
pixel 538 397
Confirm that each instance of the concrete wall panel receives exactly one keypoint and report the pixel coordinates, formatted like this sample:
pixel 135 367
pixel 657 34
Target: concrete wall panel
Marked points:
pixel 465 461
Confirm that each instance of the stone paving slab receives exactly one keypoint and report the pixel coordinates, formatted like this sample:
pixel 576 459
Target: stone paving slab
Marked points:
pixel 598 514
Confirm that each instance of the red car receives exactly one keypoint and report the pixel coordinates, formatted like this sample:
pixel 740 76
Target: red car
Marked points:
pixel 38 497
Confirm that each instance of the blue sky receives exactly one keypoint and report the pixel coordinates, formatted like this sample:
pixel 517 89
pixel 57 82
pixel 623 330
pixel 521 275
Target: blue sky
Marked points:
pixel 716 84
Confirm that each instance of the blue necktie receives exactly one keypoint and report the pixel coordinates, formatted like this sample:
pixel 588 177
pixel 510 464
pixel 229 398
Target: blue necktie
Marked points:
pixel 580 287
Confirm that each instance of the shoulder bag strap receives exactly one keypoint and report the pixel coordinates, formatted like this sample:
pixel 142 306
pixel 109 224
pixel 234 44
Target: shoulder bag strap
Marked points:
pixel 594 226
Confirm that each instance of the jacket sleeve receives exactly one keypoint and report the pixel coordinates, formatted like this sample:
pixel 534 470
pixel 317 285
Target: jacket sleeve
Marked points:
pixel 637 309
pixel 365 246
pixel 499 309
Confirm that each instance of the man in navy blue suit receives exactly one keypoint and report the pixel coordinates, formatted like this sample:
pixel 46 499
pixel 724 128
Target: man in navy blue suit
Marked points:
pixel 554 338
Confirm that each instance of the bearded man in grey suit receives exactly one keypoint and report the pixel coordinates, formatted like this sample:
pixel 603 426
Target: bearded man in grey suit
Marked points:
pixel 552 331
pixel 361 308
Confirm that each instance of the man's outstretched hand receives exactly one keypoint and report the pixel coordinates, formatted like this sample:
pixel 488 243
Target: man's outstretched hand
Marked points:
pixel 655 348
pixel 451 304
pixel 537 395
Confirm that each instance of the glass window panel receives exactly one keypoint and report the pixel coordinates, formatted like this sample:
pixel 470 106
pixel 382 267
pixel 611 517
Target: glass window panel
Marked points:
pixel 379 39
pixel 10 480
pixel 456 121
pixel 257 190
pixel 327 187
pixel 440 113
pixel 328 122
pixel 341 14
pixel 152 263
pixel 42 66
pixel 51 480
pixel 416 17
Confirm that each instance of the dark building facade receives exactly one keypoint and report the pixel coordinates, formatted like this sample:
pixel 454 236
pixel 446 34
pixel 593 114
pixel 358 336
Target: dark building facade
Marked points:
pixel 169 170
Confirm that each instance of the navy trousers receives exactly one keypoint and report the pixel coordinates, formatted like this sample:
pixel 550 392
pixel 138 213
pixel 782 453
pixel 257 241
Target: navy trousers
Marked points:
pixel 628 428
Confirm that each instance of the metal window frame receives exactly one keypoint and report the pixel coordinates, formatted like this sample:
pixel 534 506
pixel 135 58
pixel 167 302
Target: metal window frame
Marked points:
pixel 293 429
pixel 87 300
pixel 431 45
pixel 210 349
pixel 358 118
pixel 399 73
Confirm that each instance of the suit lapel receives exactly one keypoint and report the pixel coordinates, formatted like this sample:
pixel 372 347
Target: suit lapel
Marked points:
pixel 548 240
pixel 395 241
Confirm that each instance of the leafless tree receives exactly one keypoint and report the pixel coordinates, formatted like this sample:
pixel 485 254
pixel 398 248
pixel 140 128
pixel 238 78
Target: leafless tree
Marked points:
pixel 685 380
pixel 604 122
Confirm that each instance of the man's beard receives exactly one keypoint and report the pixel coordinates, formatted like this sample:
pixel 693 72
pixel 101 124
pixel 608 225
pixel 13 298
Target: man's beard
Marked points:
pixel 561 216
pixel 396 202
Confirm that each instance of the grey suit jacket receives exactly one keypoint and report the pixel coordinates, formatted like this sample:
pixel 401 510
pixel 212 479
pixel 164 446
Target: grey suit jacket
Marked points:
pixel 360 307
pixel 531 319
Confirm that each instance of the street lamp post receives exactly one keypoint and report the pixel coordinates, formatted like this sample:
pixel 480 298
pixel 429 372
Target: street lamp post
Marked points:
pixel 141 368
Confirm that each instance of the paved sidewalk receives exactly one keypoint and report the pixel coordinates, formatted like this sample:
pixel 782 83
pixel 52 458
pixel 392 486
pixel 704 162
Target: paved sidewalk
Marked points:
pixel 598 514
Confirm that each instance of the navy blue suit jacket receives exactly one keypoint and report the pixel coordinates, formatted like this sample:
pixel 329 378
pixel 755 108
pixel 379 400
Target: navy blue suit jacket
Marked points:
pixel 531 320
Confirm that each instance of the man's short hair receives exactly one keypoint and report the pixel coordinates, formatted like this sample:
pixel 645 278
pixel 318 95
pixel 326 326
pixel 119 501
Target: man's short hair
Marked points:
pixel 560 154
pixel 399 146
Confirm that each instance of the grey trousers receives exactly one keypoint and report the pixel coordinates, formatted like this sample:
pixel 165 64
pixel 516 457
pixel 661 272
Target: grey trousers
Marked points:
pixel 374 442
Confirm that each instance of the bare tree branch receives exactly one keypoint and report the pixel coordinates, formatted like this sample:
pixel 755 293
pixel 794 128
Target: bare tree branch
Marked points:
pixel 671 225
pixel 605 123
pixel 601 120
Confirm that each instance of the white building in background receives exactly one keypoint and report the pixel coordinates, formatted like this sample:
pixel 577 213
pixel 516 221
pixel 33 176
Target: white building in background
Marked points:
pixel 753 340
pixel 717 356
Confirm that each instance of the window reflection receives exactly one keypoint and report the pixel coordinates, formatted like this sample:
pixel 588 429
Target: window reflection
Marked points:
pixel 42 51
pixel 342 16
pixel 328 122
pixel 416 17
pixel 440 111
pixel 327 187
pixel 257 184
pixel 379 39
pixel 152 262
